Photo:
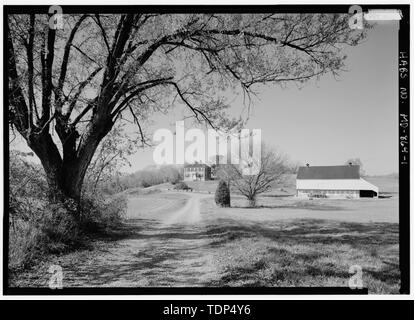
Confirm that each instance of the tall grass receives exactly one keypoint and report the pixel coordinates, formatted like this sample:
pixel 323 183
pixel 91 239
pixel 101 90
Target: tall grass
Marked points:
pixel 39 228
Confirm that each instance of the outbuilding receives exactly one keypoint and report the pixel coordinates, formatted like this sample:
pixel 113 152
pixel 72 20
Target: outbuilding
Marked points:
pixel 333 182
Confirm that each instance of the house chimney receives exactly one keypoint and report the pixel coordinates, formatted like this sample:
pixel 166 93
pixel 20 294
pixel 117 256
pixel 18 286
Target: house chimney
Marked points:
pixel 307 165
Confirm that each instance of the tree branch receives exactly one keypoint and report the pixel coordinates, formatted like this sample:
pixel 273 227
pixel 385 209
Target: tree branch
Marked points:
pixel 65 61
pixel 80 89
pixel 48 73
pixel 29 49
pixel 196 111
pixel 141 87
pixel 139 127
pixel 104 36
pixel 19 113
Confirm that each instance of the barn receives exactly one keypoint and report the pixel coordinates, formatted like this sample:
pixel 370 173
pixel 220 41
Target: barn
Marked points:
pixel 340 182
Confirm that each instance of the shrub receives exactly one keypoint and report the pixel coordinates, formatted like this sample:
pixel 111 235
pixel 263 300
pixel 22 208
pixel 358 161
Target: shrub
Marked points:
pixel 100 215
pixel 23 238
pixel 53 228
pixel 145 184
pixel 39 227
pixel 181 186
pixel 59 228
pixel 222 196
pixel 39 230
pixel 174 181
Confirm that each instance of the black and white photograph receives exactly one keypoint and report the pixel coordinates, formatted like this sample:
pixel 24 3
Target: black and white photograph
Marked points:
pixel 206 149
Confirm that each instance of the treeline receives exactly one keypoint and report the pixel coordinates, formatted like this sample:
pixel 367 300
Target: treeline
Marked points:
pixel 144 178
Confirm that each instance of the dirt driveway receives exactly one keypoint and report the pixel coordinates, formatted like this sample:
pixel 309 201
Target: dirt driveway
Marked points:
pixel 168 246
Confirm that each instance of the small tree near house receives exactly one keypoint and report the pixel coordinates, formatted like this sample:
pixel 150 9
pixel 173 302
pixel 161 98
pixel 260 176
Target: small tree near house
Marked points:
pixel 222 196
pixel 272 168
pixel 356 162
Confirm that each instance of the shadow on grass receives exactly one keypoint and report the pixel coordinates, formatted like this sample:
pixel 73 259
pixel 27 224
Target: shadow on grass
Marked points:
pixel 149 253
pixel 308 231
pixel 310 252
pixel 301 231
pixel 162 259
pixel 172 244
pixel 307 206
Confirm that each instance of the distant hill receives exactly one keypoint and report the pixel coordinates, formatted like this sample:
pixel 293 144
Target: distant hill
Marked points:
pixel 386 184
pixel 394 175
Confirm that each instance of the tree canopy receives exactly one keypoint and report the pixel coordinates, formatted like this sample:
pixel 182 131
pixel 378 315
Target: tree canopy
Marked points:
pixel 99 69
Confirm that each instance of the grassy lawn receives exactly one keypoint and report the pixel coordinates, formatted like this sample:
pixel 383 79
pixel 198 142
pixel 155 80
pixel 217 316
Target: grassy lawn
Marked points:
pixel 290 242
pixel 306 253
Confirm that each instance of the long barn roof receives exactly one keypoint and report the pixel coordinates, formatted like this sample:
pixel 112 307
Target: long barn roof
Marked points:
pixel 334 184
pixel 328 172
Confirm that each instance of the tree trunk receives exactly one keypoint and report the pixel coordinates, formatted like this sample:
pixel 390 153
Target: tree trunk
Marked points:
pixel 64 177
pixel 64 182
pixel 65 174
pixel 252 202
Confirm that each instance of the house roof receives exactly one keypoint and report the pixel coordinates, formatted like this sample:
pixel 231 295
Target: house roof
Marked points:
pixel 328 172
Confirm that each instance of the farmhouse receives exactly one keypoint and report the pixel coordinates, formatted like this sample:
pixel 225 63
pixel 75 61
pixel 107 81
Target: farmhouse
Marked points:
pixel 197 171
pixel 333 182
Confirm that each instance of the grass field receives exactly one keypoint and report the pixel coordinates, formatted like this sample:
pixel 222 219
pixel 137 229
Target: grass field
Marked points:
pixel 287 242
pixel 308 253
pixel 184 239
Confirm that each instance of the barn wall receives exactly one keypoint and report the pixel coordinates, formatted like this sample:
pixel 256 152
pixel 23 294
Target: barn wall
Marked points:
pixel 334 194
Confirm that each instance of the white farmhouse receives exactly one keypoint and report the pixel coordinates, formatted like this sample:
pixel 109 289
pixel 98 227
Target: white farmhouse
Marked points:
pixel 333 182
pixel 197 171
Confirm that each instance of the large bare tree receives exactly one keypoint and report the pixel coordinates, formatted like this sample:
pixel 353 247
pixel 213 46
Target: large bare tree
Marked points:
pixel 67 87
pixel 271 170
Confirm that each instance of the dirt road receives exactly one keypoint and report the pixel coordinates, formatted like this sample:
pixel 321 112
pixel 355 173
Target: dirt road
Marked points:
pixel 189 214
pixel 168 246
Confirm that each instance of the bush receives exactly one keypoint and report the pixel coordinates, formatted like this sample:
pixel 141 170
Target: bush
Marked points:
pixel 182 186
pixel 145 184
pixel 59 228
pixel 23 238
pixel 39 227
pixel 100 215
pixel 222 196
pixel 174 181
pixel 39 230
pixel 53 228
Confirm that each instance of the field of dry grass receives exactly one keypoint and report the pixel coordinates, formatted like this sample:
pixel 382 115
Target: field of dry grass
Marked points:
pixel 184 239
pixel 236 247
pixel 307 253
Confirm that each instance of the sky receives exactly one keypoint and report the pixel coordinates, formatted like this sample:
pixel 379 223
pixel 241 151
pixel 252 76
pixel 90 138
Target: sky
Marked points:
pixel 329 121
